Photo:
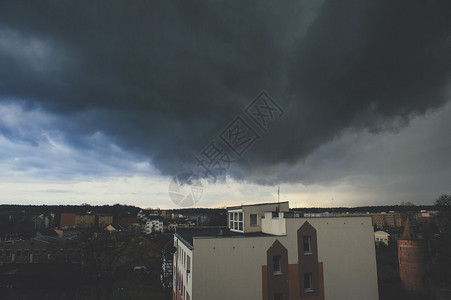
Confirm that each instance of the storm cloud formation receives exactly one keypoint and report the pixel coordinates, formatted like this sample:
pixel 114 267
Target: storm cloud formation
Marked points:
pixel 161 79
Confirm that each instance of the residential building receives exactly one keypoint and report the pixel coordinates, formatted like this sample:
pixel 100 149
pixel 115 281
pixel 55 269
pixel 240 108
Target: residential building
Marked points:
pixel 69 220
pixel 381 237
pixel 268 253
pixel 104 220
pixel 42 249
pixel 391 219
pixel 153 225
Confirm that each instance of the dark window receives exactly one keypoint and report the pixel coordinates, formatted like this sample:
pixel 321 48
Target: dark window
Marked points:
pixel 1 252
pixel 36 251
pixel 253 220
pixel 307 282
pixel 275 214
pixel 306 242
pixel 8 252
pixel 18 253
pixel 276 264
pixel 25 253
pixel 278 296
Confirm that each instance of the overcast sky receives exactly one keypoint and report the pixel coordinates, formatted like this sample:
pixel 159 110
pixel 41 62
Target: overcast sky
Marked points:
pixel 104 102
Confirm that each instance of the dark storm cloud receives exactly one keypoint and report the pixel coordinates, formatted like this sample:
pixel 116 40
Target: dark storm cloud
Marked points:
pixel 163 78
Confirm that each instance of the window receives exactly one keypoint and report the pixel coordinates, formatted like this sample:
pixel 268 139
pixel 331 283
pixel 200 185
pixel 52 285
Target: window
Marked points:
pixel 36 251
pixel 306 243
pixel 308 282
pixel 188 264
pixel 236 221
pixel 1 252
pixel 275 214
pixel 254 220
pixel 18 252
pixel 8 252
pixel 25 253
pixel 276 264
pixel 278 296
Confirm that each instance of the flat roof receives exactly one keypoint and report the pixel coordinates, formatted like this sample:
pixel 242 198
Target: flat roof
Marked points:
pixel 257 204
pixel 187 235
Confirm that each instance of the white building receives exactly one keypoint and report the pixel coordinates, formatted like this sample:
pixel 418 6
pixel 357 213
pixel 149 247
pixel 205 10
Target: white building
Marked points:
pixel 154 225
pixel 381 237
pixel 269 253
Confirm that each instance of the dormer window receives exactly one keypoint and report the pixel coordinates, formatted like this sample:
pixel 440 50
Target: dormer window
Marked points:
pixel 236 221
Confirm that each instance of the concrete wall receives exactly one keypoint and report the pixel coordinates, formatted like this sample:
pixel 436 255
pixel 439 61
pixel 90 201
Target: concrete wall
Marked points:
pixel 274 226
pixel 231 267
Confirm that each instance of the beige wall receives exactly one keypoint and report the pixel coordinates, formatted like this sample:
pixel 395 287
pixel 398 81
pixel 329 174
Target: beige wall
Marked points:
pixel 231 267
pixel 274 226
pixel 260 211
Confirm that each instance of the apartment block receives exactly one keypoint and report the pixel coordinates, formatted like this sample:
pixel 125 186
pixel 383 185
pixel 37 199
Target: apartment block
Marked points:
pixel 268 253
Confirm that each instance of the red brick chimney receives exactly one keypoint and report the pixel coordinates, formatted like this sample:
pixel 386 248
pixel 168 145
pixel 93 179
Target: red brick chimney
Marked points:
pixel 411 259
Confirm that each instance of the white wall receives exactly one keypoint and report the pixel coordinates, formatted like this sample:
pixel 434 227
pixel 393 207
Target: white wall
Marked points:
pixel 181 263
pixel 274 226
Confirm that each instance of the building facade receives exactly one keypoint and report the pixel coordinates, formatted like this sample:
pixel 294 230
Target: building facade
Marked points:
pixel 381 237
pixel 387 220
pixel 43 249
pixel 269 253
pixel 154 225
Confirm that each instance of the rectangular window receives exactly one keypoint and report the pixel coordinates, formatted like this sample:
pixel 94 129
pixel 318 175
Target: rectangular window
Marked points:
pixel 36 251
pixel 275 214
pixel 278 296
pixel 8 252
pixel 1 252
pixel 307 282
pixel 276 264
pixel 254 220
pixel 236 221
pixel 25 253
pixel 18 252
pixel 306 242
pixel 188 264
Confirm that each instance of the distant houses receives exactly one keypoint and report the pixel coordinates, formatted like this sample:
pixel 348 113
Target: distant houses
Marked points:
pixel 381 237
pixel 71 220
